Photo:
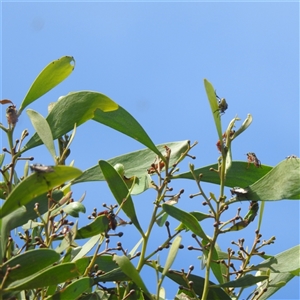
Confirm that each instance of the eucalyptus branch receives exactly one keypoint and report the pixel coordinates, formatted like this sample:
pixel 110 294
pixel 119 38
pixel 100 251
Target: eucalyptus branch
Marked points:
pixel 201 192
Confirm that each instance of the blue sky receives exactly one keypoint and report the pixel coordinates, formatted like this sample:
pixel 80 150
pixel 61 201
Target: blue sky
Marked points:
pixel 151 58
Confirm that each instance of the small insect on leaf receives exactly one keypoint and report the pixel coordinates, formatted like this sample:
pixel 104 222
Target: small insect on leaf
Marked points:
pixel 291 156
pixel 114 220
pixel 252 158
pixel 238 191
pixel 39 168
pixel 156 167
pixel 222 105
pixel 224 136
pixel 12 115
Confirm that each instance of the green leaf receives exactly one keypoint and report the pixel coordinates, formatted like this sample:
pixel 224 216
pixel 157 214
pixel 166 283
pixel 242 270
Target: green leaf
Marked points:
pixel 211 95
pixel 277 281
pixel 135 248
pixel 187 219
pixel 74 208
pixel 122 121
pixel 53 74
pixel 73 290
pixel 100 224
pixel 35 185
pixel 238 174
pixel 128 268
pixel 120 191
pixel 111 270
pixel 286 261
pixel 30 262
pixel 2 156
pixel 198 215
pixel 21 215
pixel 42 128
pixel 3 190
pixel 51 276
pixel 88 246
pixel 245 281
pixel 282 182
pixel 261 213
pixel 172 254
pixel 136 164
pixel 74 108
pixel 162 220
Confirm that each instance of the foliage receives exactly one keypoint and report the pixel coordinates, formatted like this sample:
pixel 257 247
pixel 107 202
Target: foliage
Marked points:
pixel 51 264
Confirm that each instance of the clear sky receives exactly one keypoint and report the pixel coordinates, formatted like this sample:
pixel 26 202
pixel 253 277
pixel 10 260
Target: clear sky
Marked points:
pixel 151 58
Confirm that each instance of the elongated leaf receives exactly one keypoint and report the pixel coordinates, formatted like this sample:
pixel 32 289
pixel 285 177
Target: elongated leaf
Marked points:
pixel 122 121
pixel 73 290
pixel 238 174
pixel 35 185
pixel 2 156
pixel 135 248
pixel 211 95
pixel 51 276
pixel 136 164
pixel 43 130
pixel 187 219
pixel 88 246
pixel 30 262
pixel 244 281
pixel 53 74
pixel 172 254
pixel 120 191
pixel 74 108
pixel 105 261
pixel 128 268
pixel 198 215
pixel 261 213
